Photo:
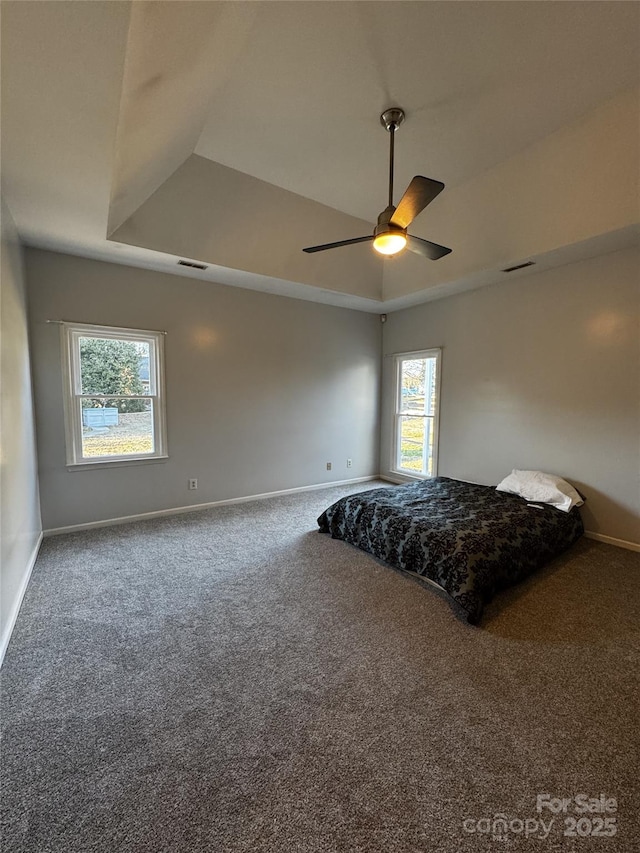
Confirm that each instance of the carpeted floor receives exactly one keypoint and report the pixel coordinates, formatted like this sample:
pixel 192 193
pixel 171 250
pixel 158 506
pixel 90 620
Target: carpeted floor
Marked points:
pixel 233 680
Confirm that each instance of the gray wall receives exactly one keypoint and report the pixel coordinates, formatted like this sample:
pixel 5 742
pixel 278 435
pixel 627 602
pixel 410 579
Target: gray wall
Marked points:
pixel 541 373
pixel 262 390
pixel 19 508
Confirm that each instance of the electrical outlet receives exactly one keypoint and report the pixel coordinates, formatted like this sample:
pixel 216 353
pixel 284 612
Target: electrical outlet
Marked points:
pixel 193 484
pixel 349 463
pixel 328 466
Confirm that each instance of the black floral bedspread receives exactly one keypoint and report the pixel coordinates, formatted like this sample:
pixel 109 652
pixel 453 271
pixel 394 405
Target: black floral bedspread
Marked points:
pixel 469 539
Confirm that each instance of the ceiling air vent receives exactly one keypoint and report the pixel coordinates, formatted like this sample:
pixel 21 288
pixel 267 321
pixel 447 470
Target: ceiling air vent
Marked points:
pixel 519 266
pixel 192 264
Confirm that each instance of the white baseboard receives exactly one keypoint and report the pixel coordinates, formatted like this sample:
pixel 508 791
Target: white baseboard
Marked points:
pixel 6 635
pixel 610 540
pixel 179 510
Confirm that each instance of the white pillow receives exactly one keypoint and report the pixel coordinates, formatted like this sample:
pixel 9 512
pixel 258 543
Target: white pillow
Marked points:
pixel 545 488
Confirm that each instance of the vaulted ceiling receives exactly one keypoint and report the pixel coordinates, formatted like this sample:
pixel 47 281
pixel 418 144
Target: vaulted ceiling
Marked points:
pixel 235 133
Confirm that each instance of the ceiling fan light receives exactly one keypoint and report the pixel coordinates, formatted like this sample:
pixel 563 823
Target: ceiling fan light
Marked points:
pixel 390 242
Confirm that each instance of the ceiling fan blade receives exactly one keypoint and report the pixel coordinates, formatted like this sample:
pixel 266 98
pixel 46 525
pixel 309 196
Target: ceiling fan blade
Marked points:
pixel 420 192
pixel 432 251
pixel 341 243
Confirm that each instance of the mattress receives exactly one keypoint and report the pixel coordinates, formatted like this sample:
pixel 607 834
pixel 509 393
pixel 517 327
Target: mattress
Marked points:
pixel 470 540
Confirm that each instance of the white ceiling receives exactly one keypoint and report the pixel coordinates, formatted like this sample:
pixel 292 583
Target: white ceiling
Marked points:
pixel 479 81
pixel 103 101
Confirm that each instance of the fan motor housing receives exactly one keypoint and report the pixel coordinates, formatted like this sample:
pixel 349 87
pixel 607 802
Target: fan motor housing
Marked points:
pixel 384 225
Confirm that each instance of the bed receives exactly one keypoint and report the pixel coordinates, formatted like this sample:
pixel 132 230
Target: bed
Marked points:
pixel 470 540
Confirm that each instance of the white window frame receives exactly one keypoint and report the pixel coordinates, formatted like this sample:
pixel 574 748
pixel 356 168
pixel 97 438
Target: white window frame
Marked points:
pixel 73 396
pixel 398 412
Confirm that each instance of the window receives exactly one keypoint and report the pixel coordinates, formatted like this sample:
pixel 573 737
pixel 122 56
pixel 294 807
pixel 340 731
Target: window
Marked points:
pixel 114 401
pixel 417 391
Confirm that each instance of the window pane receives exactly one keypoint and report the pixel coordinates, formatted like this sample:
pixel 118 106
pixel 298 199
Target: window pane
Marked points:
pixel 111 366
pixel 115 430
pixel 411 443
pixel 412 379
pixel 416 444
pixel 418 385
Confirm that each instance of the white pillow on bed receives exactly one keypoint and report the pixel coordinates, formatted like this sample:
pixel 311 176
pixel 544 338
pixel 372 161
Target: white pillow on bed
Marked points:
pixel 544 488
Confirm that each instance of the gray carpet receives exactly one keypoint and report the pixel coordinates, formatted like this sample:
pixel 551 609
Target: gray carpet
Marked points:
pixel 233 680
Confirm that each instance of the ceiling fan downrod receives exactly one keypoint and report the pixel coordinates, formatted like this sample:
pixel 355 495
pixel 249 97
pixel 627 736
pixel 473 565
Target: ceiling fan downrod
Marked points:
pixel 391 120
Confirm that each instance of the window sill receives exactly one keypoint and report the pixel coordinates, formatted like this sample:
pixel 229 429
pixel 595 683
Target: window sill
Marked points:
pixel 405 476
pixel 72 467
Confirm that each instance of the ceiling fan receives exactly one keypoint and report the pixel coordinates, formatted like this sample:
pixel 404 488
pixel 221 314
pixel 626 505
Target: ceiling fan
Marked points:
pixel 390 234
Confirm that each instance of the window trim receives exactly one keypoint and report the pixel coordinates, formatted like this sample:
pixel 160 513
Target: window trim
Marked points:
pixel 398 358
pixel 72 396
